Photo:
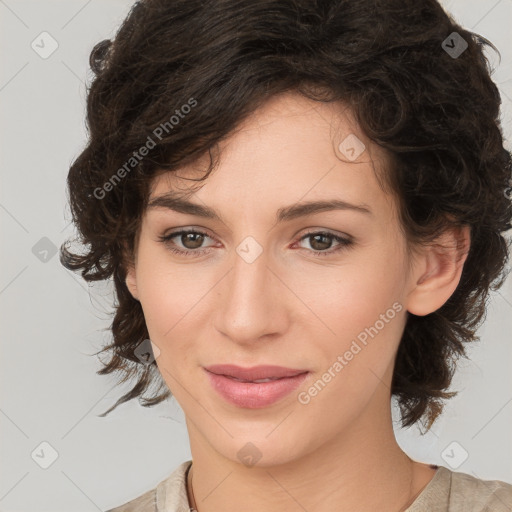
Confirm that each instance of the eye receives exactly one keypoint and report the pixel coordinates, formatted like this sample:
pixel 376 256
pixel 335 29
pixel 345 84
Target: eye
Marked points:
pixel 195 238
pixel 318 242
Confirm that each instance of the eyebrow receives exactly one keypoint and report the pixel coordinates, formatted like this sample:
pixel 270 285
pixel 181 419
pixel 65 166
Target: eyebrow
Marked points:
pixel 172 202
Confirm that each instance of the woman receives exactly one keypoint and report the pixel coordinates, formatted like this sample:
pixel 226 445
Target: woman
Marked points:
pixel 337 249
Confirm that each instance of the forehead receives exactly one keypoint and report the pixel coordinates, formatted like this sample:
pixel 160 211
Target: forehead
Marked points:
pixel 290 149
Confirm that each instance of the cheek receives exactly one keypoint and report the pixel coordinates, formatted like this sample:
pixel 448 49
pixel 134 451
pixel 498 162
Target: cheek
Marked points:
pixel 365 319
pixel 354 295
pixel 361 304
pixel 168 292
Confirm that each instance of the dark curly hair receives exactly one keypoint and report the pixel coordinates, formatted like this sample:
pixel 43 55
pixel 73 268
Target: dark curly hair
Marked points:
pixel 181 75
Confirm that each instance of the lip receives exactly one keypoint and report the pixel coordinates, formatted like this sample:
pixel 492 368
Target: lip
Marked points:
pixel 254 372
pixel 252 395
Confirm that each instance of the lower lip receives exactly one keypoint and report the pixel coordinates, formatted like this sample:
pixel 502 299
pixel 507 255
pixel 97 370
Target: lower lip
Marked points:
pixel 254 395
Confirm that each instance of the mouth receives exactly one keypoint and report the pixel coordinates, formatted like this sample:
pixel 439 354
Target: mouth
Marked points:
pixel 256 374
pixel 257 387
pixel 255 381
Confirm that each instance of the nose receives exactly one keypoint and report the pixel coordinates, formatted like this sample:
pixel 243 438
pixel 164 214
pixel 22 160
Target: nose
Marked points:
pixel 252 302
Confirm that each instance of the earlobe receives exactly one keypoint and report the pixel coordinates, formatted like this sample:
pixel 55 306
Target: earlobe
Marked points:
pixel 438 271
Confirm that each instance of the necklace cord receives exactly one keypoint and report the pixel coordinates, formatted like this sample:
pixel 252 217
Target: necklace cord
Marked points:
pixel 193 508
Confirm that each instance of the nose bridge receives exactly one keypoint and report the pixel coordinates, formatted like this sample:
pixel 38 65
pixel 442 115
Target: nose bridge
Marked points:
pixel 248 307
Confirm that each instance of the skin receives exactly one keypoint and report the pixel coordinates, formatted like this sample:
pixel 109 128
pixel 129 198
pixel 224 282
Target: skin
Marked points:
pixel 292 309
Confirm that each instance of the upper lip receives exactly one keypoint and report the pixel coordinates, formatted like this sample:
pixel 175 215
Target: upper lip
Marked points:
pixel 254 372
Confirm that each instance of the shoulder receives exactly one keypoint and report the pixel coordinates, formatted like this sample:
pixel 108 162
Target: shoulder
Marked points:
pixel 144 503
pixel 169 494
pixel 473 494
pixel 452 491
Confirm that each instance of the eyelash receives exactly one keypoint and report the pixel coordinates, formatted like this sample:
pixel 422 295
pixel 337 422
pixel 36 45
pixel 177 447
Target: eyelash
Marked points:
pixel 165 239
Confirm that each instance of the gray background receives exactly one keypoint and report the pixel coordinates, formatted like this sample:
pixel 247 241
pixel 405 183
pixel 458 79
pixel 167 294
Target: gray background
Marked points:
pixel 52 320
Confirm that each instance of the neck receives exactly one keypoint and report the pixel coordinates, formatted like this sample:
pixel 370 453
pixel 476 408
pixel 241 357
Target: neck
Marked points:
pixel 359 468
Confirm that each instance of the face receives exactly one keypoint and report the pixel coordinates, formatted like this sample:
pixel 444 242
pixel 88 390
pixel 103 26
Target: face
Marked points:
pixel 324 292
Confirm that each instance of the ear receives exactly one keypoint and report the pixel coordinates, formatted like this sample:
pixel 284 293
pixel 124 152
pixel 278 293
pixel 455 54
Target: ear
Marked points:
pixel 437 271
pixel 131 282
pixel 131 277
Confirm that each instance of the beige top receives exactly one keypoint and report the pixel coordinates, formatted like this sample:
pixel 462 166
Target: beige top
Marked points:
pixel 448 491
